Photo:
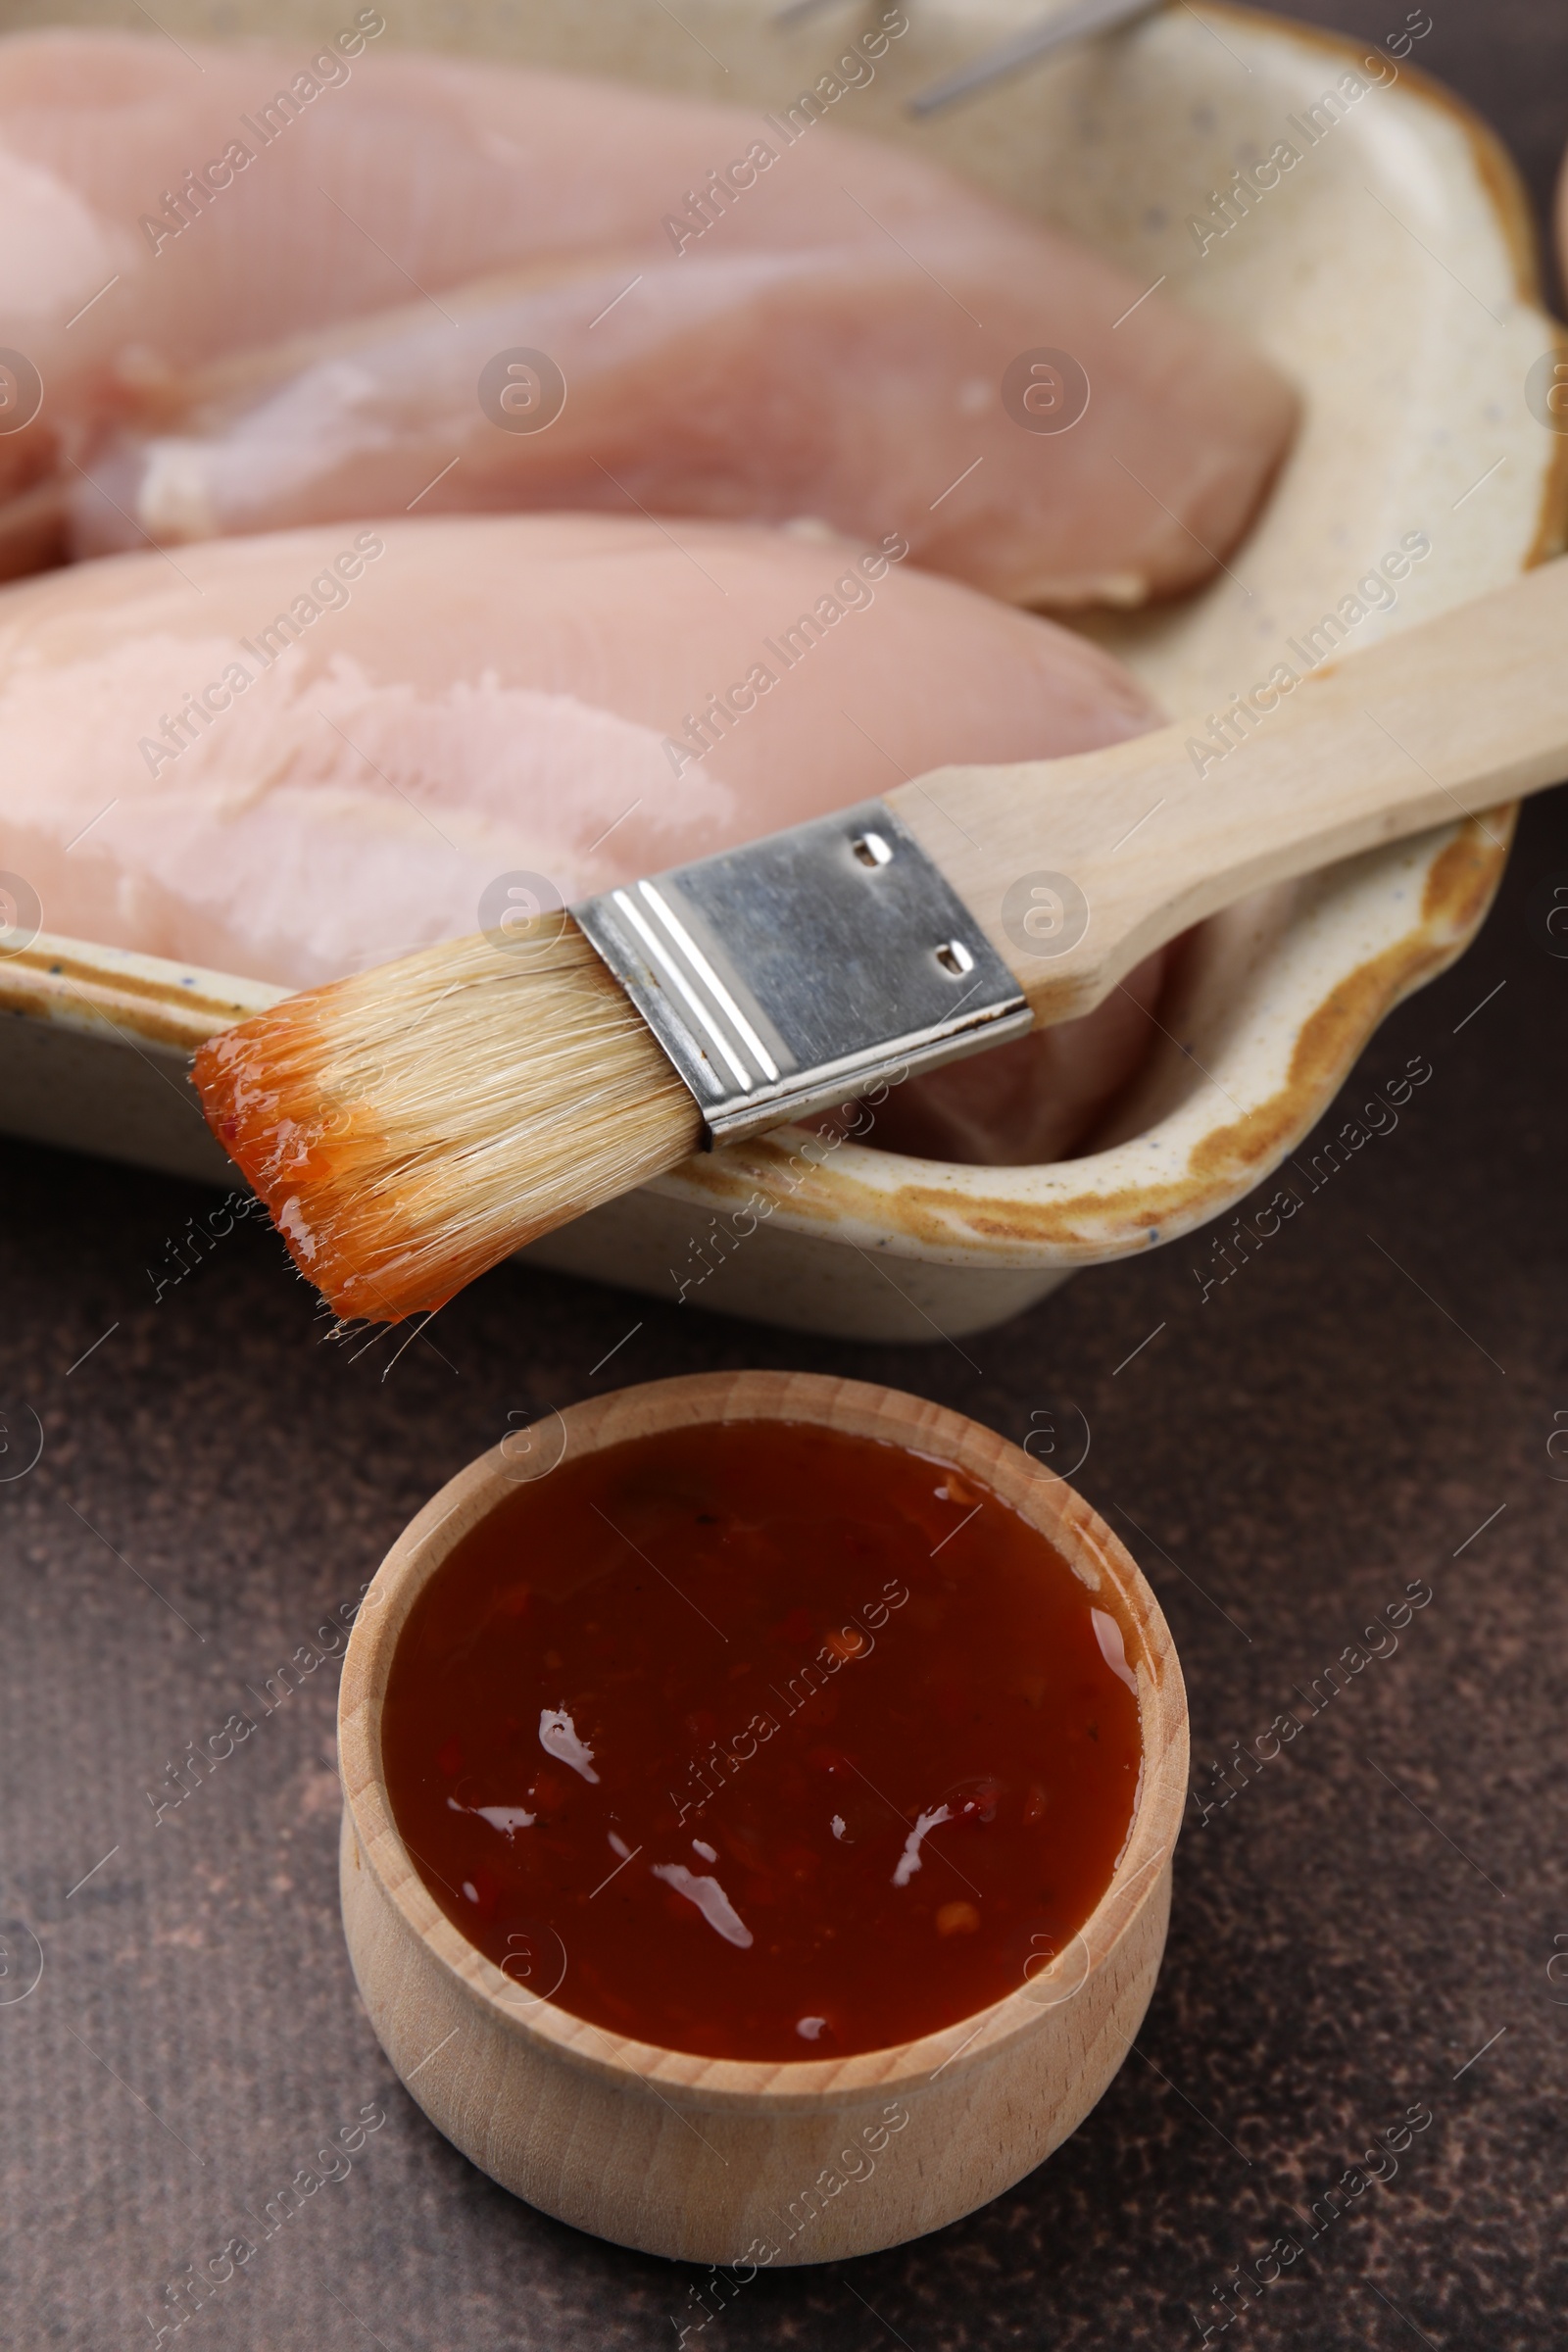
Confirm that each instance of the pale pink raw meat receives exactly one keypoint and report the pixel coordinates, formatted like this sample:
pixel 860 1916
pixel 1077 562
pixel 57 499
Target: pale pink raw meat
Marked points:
pixel 406 170
pixel 835 343
pixel 859 382
pixel 560 695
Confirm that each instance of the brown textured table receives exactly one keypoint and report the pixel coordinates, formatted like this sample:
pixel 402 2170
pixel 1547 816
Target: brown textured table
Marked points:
pixel 1369 1926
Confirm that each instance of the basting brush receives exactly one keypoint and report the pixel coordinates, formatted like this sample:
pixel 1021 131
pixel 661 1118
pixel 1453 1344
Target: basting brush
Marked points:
pixel 412 1125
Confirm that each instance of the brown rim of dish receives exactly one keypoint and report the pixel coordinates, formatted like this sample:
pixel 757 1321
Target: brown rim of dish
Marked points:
pixel 1500 182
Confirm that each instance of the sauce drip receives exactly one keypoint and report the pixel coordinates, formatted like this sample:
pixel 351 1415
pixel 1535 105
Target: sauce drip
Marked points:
pixel 762 1740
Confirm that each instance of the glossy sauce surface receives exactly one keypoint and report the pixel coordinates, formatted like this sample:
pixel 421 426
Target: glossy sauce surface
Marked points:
pixel 762 1740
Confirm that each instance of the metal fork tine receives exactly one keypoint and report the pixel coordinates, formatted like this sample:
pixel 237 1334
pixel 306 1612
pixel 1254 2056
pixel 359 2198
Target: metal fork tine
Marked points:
pixel 1078 22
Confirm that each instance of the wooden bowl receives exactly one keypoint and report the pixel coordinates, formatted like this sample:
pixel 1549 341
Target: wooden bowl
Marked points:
pixel 722 2160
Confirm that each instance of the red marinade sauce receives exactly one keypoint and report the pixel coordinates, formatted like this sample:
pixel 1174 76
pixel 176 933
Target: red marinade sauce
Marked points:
pixel 760 1740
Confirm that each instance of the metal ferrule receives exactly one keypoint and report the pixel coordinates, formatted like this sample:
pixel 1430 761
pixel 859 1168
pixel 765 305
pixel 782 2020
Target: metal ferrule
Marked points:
pixel 794 972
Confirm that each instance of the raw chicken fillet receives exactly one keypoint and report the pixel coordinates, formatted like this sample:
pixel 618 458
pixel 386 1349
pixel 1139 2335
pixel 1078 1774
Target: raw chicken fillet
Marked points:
pixel 296 755
pixel 753 318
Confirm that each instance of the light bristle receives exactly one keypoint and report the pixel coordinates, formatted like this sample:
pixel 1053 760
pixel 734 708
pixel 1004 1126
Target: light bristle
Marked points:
pixel 411 1126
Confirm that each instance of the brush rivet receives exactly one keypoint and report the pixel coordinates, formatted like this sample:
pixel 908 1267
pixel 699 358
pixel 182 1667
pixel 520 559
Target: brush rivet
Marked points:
pixel 871 849
pixel 954 957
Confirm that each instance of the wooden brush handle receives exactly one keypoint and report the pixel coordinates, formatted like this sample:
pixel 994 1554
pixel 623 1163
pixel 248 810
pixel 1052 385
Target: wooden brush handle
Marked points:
pixel 1443 720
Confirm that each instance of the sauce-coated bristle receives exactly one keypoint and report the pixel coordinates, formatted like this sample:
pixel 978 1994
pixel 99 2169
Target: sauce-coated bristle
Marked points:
pixel 412 1125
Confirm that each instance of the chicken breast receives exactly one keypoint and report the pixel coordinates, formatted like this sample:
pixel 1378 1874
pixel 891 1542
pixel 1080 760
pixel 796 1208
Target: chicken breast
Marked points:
pixel 862 383
pixel 165 204
pixel 295 756
pixel 703 310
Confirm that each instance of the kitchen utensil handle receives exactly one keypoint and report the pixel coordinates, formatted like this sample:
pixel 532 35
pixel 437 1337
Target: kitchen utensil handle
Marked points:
pixel 1076 868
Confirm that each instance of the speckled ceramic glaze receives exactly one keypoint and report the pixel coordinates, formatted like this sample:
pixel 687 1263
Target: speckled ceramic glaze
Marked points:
pixel 1391 276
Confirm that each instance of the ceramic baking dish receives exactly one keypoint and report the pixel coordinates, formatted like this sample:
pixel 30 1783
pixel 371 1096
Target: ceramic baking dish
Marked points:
pixel 1392 275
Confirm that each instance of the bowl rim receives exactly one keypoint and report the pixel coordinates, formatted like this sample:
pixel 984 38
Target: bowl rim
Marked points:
pixel 742 2085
